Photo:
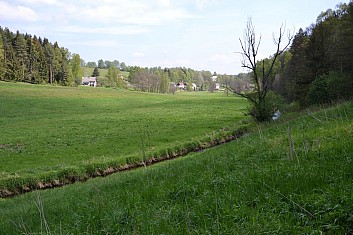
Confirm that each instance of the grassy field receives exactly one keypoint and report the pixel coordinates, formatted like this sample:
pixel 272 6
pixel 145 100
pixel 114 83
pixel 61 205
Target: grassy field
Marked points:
pixel 87 72
pixel 290 177
pixel 50 133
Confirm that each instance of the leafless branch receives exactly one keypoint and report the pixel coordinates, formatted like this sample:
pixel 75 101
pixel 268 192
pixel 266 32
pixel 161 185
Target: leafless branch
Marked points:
pixel 249 51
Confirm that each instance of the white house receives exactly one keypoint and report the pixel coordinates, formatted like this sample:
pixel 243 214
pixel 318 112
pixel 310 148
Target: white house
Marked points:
pixel 181 85
pixel 194 86
pixel 89 81
pixel 216 86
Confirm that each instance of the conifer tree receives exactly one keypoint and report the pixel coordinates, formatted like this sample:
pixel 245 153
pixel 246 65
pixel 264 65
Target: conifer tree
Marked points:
pixel 67 76
pixel 2 58
pixel 95 72
pixel 21 57
pixel 57 64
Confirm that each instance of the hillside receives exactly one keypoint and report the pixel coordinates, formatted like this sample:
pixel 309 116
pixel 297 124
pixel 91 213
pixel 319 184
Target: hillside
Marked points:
pixel 258 184
pixel 87 72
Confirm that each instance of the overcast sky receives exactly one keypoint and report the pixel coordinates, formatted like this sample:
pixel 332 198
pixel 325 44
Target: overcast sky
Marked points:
pixel 198 34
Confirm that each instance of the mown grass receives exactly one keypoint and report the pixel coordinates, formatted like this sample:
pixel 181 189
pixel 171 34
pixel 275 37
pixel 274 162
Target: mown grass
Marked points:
pixel 53 133
pixel 249 186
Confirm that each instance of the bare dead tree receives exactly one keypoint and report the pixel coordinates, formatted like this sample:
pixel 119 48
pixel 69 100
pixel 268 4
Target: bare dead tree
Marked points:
pixel 262 80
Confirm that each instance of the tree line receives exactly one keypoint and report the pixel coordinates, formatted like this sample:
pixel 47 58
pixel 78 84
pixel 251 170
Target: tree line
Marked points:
pixel 159 79
pixel 163 80
pixel 31 59
pixel 105 64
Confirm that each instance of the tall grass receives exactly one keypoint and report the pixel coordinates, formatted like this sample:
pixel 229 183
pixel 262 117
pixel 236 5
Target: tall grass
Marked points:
pixel 248 186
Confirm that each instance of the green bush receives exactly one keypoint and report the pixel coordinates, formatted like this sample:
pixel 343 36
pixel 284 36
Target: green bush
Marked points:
pixel 329 87
pixel 339 86
pixel 318 91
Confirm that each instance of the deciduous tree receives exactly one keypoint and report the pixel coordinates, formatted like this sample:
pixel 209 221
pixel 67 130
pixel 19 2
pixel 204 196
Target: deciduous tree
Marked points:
pixel 76 69
pixel 101 64
pixel 112 77
pixel 261 77
pixel 91 64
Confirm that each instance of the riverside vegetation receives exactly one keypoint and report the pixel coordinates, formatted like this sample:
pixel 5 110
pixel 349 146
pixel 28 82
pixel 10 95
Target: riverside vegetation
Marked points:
pixel 292 176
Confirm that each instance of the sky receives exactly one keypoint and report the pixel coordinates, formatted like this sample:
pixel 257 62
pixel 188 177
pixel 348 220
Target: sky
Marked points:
pixel 197 34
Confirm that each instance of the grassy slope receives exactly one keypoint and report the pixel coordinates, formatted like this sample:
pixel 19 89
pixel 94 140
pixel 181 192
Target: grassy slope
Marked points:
pixel 87 72
pixel 246 186
pixel 46 129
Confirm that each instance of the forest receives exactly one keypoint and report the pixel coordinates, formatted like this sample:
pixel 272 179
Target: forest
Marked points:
pixel 318 67
pixel 31 59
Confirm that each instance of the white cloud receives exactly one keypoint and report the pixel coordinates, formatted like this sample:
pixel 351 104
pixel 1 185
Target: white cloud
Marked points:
pixel 159 17
pixel 96 43
pixel 118 30
pixel 224 58
pixel 133 13
pixel 42 2
pixel 17 12
pixel 202 4
pixel 163 3
pixel 138 54
pixel 132 17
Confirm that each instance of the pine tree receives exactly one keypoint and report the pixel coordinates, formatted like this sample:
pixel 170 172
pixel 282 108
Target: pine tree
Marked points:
pixel 21 57
pixel 43 68
pixel 8 55
pixel 95 72
pixel 31 59
pixel 2 57
pixel 297 75
pixel 49 55
pixel 67 76
pixel 57 64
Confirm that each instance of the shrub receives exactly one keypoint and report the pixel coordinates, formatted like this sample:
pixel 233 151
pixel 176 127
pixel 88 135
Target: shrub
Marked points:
pixel 318 91
pixel 339 86
pixel 329 87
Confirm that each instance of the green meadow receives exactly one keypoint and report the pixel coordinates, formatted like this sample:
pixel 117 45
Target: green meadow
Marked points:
pixel 53 133
pixel 293 176
pixel 289 177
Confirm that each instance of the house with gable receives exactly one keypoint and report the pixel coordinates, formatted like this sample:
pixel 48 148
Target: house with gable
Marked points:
pixel 181 85
pixel 89 81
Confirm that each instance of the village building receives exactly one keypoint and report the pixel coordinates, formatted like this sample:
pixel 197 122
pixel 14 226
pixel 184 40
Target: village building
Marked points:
pixel 182 85
pixel 194 87
pixel 89 81
pixel 217 86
